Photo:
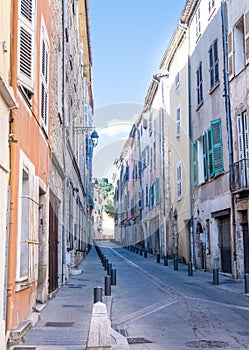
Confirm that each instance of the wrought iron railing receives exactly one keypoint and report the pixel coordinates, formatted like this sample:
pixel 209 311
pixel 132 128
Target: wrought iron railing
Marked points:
pixel 241 176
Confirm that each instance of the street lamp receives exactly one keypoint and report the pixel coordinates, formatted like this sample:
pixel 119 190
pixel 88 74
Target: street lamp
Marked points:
pixel 94 135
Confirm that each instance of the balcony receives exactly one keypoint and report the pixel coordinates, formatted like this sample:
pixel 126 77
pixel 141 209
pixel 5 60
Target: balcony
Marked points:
pixel 241 176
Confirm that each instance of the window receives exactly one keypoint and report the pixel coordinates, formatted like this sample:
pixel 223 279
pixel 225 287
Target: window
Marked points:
pixel 213 64
pixel 211 5
pixel 150 124
pixel 199 84
pixel 44 76
pixel 179 180
pixel 239 46
pixel 154 149
pixel 198 22
pixel 178 122
pixel 147 196
pixel 195 162
pixel 177 80
pixel 26 25
pixel 243 142
pixel 215 151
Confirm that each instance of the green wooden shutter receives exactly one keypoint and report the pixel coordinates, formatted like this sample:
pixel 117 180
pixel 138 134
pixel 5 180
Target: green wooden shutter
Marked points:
pixel 195 162
pixel 205 155
pixel 217 146
pixel 210 153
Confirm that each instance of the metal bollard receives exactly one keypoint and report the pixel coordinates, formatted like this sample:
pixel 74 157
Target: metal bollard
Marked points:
pixel 158 258
pixel 246 283
pixel 145 253
pixel 136 250
pixel 106 264
pixel 113 277
pixel 175 264
pixel 108 285
pixel 215 276
pixel 190 269
pixel 109 269
pixel 141 251
pixel 165 261
pixel 97 294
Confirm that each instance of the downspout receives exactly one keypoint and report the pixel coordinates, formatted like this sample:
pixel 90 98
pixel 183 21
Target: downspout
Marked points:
pixel 191 191
pixel 229 125
pixel 64 226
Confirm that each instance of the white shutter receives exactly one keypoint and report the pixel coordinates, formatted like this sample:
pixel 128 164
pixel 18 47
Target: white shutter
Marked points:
pixel 247 37
pixel 44 76
pixel 240 138
pixel 230 55
pixel 246 141
pixel 26 43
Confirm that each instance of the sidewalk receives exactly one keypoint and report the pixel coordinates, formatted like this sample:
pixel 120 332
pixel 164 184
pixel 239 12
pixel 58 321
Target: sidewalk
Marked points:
pixel 64 322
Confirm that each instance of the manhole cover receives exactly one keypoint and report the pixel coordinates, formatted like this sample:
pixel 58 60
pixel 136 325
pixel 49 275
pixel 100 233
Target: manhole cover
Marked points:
pixel 59 324
pixel 138 341
pixel 206 344
pixel 24 348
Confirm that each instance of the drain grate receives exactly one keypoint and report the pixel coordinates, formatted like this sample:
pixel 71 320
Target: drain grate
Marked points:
pixel 59 324
pixel 206 344
pixel 73 305
pixel 138 341
pixel 24 348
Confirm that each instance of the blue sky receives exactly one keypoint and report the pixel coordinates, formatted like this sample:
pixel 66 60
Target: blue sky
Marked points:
pixel 128 40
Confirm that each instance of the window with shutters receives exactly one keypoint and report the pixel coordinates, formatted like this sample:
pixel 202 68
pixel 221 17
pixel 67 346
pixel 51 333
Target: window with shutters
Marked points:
pixel 178 122
pixel 215 150
pixel 242 130
pixel 179 179
pixel 214 65
pixel 199 85
pixel 198 22
pixel 44 76
pixel 154 151
pixel 211 6
pixel 147 196
pixel 239 46
pixel 26 27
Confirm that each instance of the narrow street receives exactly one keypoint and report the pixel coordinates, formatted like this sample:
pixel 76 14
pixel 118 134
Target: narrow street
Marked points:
pixel 154 306
pixel 176 311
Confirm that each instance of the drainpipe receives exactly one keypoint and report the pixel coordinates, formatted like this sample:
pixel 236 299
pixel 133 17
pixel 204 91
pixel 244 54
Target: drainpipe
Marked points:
pixel 64 226
pixel 229 124
pixel 191 191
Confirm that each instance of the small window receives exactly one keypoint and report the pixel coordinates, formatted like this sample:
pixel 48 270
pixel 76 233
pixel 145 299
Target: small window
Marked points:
pixel 179 180
pixel 211 5
pixel 213 65
pixel 177 80
pixel 198 22
pixel 178 122
pixel 239 46
pixel 199 84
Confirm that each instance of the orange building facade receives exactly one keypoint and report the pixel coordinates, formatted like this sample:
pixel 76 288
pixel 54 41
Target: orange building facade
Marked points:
pixel 29 154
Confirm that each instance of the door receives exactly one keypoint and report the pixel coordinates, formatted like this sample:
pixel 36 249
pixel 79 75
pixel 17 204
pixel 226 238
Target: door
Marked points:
pixel 225 244
pixel 53 245
pixel 246 246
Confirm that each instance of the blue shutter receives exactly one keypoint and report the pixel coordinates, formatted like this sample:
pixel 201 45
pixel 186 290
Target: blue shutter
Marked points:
pixel 205 155
pixel 216 132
